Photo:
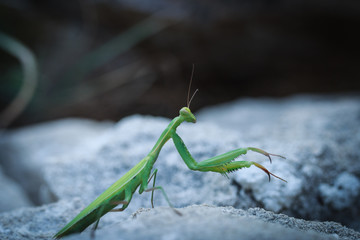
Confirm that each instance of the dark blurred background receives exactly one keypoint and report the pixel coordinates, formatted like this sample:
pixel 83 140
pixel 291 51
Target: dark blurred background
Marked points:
pixel 108 59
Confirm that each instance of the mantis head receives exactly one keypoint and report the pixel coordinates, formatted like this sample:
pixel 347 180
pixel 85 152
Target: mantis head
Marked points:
pixel 187 115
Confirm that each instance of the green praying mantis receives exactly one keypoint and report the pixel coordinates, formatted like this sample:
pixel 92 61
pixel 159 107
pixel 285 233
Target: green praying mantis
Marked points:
pixel 121 192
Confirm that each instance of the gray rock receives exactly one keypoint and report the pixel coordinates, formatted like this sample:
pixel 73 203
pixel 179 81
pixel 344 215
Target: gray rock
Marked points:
pixel 196 222
pixel 210 222
pixel 343 193
pixel 319 146
pixel 12 194
pixel 36 222
pixel 320 136
pixel 79 159
pixel 25 152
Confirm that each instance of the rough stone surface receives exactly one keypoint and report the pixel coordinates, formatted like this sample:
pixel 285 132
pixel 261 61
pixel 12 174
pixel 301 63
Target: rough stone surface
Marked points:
pixel 343 193
pixel 36 222
pixel 12 194
pixel 78 159
pixel 319 135
pixel 196 222
pixel 25 152
pixel 209 222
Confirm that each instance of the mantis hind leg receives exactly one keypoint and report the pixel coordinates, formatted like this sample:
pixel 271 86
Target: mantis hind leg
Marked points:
pixel 92 234
pixel 124 203
pixel 102 208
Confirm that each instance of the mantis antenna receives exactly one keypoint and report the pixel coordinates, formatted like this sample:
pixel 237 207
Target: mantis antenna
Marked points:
pixel 188 96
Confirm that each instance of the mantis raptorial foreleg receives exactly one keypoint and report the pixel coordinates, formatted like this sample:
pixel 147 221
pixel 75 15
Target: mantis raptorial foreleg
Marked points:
pixel 223 163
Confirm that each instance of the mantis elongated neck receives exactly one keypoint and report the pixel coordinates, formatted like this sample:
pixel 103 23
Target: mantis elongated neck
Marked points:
pixel 165 136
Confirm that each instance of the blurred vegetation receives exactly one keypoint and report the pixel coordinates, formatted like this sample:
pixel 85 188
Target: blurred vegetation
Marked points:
pixel 29 69
pixel 109 59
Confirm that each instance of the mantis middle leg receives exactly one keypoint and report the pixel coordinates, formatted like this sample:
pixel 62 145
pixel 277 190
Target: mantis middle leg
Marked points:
pixel 152 192
pixel 162 190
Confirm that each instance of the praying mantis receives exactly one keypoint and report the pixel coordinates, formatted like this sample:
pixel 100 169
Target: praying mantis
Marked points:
pixel 121 192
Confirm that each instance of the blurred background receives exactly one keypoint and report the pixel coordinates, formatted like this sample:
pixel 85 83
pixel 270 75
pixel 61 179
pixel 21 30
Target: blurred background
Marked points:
pixel 105 60
pixel 109 59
